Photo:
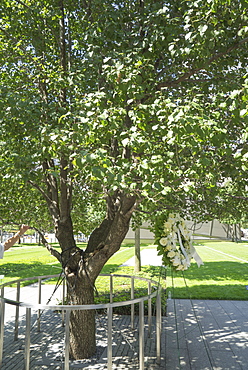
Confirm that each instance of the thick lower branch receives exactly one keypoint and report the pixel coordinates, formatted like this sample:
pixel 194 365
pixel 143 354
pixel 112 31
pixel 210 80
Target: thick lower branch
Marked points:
pixel 119 212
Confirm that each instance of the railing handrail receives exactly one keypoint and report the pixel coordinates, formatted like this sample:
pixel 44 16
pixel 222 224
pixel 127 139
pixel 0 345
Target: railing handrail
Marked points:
pixel 28 278
pixel 82 307
pixel 57 275
pixel 66 309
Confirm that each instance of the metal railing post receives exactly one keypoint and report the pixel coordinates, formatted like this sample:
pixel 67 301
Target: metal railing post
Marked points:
pixel 39 302
pixel 2 311
pixel 158 326
pixel 17 311
pixel 27 339
pixel 111 288
pixel 141 335
pixel 149 309
pixel 67 339
pixel 109 348
pixel 132 305
pixel 63 302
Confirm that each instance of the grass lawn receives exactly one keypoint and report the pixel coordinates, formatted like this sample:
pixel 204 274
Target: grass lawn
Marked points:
pixel 33 260
pixel 223 276
pixel 27 261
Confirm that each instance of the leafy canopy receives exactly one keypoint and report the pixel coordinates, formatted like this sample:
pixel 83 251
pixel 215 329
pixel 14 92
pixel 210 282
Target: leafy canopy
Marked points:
pixel 149 97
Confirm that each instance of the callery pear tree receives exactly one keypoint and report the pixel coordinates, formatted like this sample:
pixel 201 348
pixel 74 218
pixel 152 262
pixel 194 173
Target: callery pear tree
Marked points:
pixel 122 102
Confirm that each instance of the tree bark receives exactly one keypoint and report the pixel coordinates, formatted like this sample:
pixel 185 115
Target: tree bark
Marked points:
pixel 82 323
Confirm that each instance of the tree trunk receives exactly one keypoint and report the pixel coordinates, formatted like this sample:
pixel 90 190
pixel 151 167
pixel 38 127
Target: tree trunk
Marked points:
pixel 82 323
pixel 83 267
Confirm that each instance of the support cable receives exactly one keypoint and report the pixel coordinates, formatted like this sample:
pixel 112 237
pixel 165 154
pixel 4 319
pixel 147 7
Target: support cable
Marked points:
pixel 58 283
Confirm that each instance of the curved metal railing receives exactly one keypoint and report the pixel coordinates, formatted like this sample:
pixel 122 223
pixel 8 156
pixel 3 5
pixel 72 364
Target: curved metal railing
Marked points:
pixel 66 310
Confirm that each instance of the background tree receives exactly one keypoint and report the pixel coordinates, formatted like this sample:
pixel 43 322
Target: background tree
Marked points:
pixel 130 102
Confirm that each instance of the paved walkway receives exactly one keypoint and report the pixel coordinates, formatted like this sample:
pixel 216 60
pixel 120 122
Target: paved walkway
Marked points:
pixel 210 335
pixel 206 335
pixel 196 335
pixel 149 257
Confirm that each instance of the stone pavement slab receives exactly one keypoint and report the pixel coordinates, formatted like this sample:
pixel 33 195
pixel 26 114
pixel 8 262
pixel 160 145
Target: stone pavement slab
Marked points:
pixel 47 346
pixel 206 335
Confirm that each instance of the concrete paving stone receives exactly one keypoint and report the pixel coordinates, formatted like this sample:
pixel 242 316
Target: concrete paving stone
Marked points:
pixel 220 328
pixel 207 324
pixel 230 331
pixel 237 311
pixel 222 316
pixel 174 329
pixel 241 354
pixel 201 325
pixel 176 360
pixel 240 306
pixel 148 257
pixel 226 360
pixel 198 349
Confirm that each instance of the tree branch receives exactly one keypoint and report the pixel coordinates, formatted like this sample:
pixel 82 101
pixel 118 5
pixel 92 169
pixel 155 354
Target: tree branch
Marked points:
pixel 43 193
pixel 22 3
pixel 52 250
pixel 65 189
pixel 188 74
pixel 52 203
pixel 62 47
pixel 52 185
